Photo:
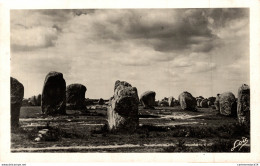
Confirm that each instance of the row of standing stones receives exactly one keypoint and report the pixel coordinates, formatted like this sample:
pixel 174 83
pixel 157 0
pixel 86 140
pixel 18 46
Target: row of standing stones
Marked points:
pixel 122 110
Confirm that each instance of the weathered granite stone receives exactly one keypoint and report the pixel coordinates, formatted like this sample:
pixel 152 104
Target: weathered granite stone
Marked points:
pixel 17 93
pixel 199 101
pixel 164 103
pixel 210 103
pixel 39 100
pixel 123 108
pixel 212 99
pixel 75 96
pixel 243 105
pixel 187 101
pixel 54 94
pixel 148 99
pixel 171 101
pixel 216 103
pixel 227 104
pixel 204 103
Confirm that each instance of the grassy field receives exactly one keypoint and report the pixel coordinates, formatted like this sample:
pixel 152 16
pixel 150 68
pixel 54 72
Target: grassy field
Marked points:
pixel 164 129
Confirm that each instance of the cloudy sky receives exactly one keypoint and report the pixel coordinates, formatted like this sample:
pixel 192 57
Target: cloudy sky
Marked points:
pixel 203 51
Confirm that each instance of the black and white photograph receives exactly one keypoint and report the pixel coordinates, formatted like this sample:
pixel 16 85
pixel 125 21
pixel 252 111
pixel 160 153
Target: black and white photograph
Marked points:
pixel 130 80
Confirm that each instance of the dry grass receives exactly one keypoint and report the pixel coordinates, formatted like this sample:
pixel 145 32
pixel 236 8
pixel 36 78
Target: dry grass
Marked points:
pixel 222 131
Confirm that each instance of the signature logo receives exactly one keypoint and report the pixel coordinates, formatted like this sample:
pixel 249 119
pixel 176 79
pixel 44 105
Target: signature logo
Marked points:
pixel 239 143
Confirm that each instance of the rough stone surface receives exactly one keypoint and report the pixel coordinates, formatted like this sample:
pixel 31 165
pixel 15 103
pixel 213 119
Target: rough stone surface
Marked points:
pixel 243 105
pixel 123 108
pixel 227 104
pixel 212 99
pixel 124 83
pixel 39 100
pixel 148 99
pixel 204 103
pixel 54 94
pixel 17 93
pixel 171 101
pixel 210 103
pixel 75 96
pixel 198 101
pixel 176 102
pixel 216 102
pixel 187 101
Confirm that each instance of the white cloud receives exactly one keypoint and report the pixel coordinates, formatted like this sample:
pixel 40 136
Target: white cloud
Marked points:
pixel 165 50
pixel 32 38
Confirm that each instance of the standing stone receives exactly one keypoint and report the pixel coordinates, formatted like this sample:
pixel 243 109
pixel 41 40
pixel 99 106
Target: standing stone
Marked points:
pixel 54 94
pixel 198 102
pixel 33 101
pixel 171 101
pixel 210 103
pixel 204 103
pixel 212 99
pixel 123 108
pixel 124 83
pixel 75 96
pixel 148 99
pixel 216 102
pixel 187 101
pixel 243 105
pixel 176 103
pixel 227 102
pixel 17 92
pixel 101 101
pixel 39 100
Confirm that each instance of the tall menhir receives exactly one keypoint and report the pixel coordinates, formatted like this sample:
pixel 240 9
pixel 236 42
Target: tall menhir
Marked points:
pixel 54 94
pixel 123 108
pixel 17 92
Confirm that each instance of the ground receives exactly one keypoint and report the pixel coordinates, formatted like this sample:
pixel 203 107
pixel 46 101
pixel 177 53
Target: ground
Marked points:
pixel 163 129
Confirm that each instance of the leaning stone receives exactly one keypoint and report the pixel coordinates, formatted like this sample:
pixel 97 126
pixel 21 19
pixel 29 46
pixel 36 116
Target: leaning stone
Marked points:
pixel 176 103
pixel 148 99
pixel 123 108
pixel 17 93
pixel 243 105
pixel 54 94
